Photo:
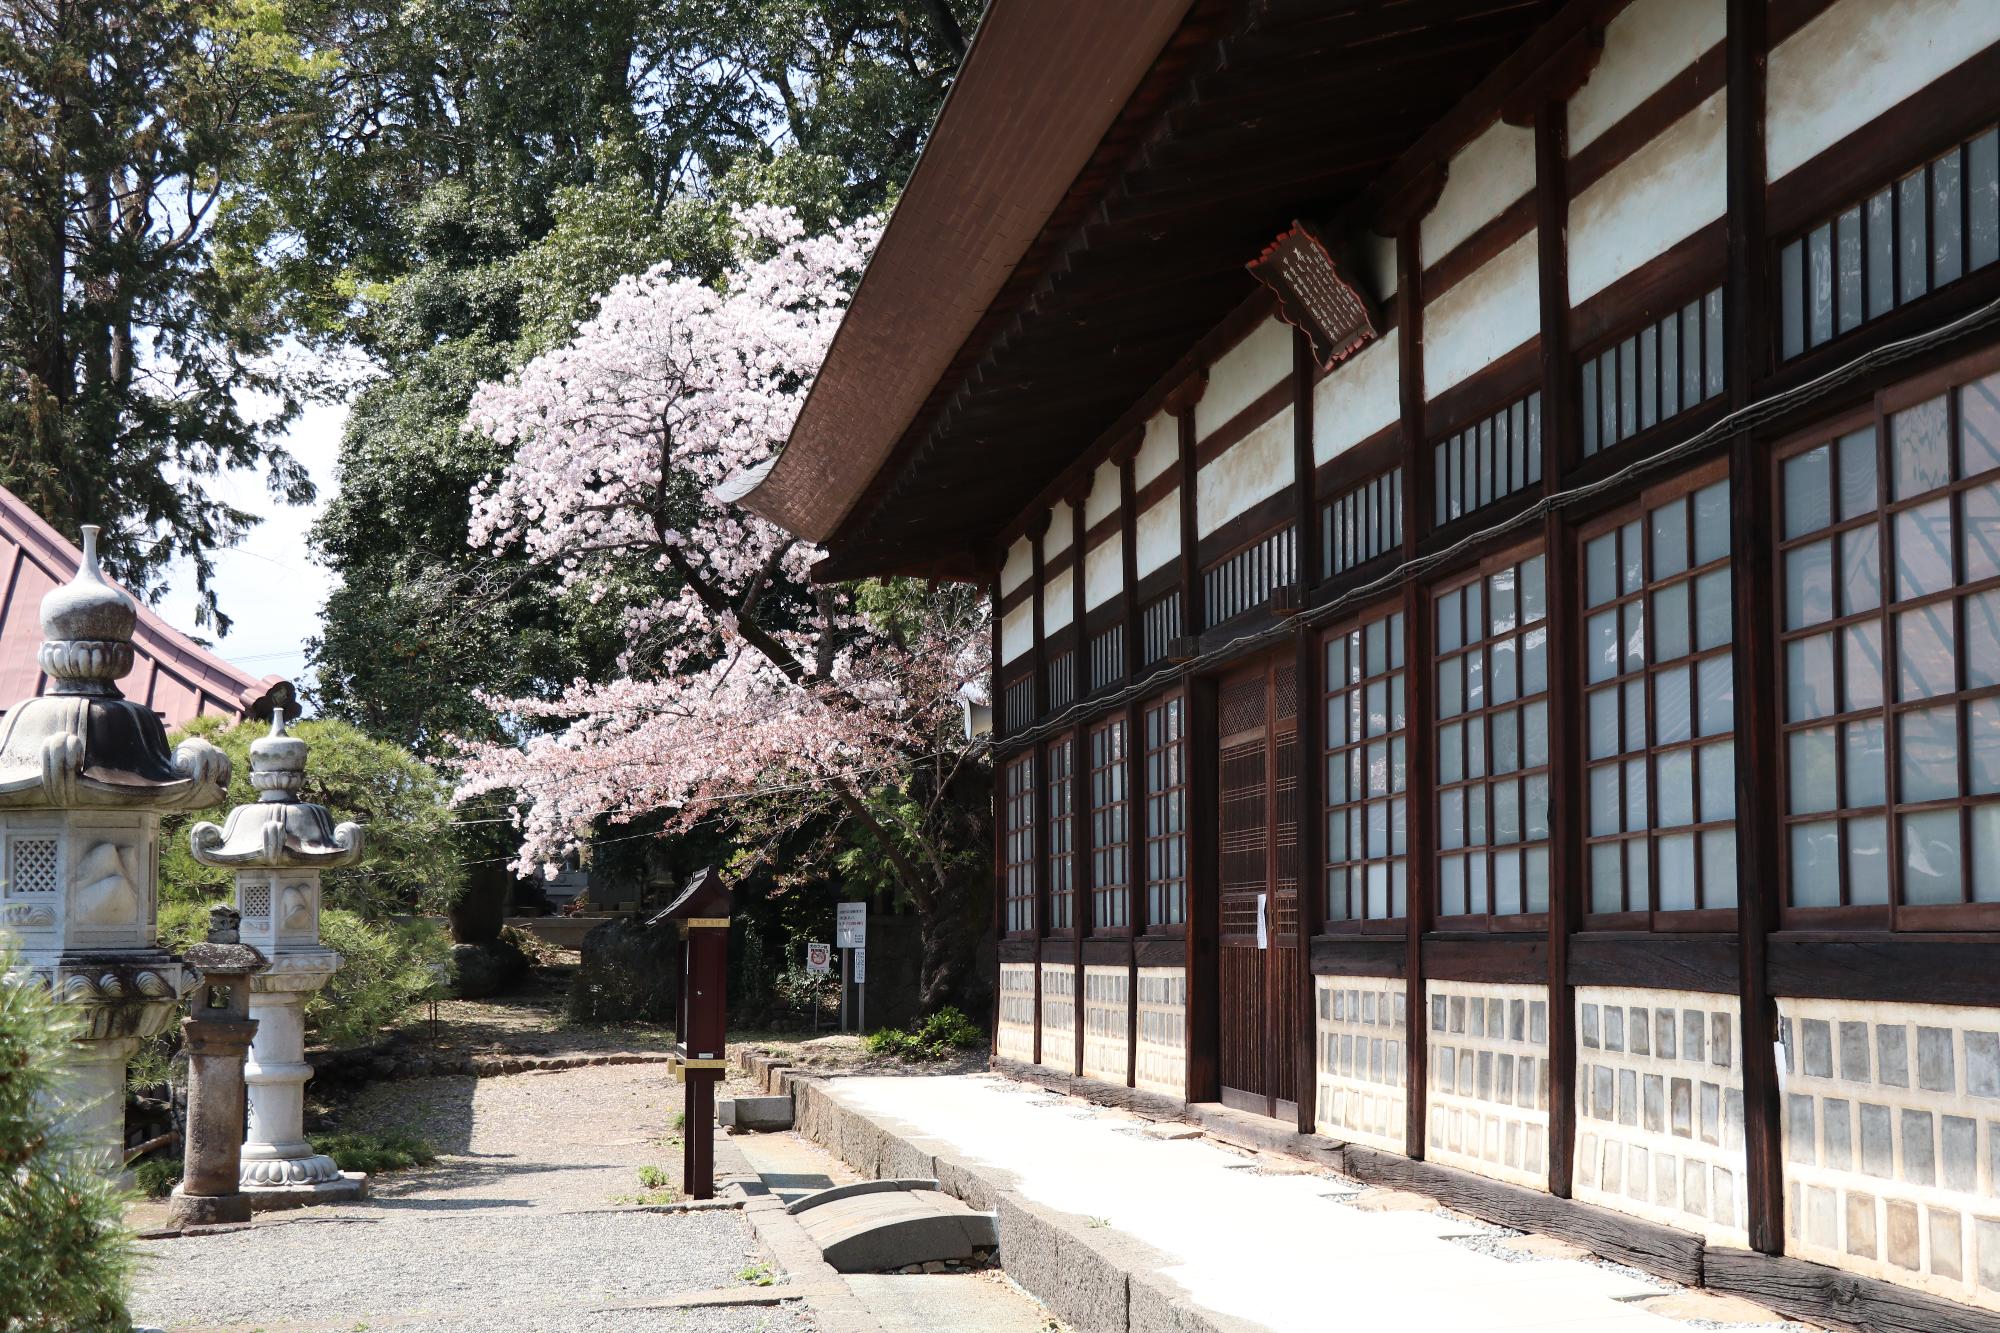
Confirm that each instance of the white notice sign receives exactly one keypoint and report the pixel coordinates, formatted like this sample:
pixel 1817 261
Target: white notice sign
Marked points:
pixel 819 958
pixel 1263 928
pixel 860 966
pixel 850 926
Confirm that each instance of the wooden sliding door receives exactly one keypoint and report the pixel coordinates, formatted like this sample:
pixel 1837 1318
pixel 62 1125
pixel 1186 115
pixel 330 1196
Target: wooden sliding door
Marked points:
pixel 1258 931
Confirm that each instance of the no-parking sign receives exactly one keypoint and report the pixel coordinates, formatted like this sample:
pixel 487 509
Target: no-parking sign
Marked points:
pixel 819 958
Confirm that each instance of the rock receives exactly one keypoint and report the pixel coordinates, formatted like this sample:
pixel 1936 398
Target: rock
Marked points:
pixel 480 970
pixel 626 972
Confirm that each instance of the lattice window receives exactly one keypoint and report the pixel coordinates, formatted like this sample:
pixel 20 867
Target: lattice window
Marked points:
pixel 1018 874
pixel 1244 580
pixel 257 903
pixel 1664 369
pixel 1362 524
pixel 1110 837
pixel 1367 842
pixel 1018 703
pixel 1660 702
pixel 1492 674
pixel 1062 836
pixel 1062 680
pixel 1166 813
pixel 1890 552
pixel 1159 626
pixel 1903 242
pixel 1107 657
pixel 36 867
pixel 1488 460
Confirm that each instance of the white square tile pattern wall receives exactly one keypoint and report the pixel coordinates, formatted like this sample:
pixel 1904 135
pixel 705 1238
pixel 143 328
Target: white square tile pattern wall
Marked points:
pixel 1488 1104
pixel 1106 1002
pixel 1891 1123
pixel 1015 1037
pixel 1059 1017
pixel 1162 1050
pixel 1659 1108
pixel 1362 1032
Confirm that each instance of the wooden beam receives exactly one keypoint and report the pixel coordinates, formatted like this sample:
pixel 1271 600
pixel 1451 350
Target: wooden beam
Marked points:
pixel 1838 1299
pixel 1560 416
pixel 1747 340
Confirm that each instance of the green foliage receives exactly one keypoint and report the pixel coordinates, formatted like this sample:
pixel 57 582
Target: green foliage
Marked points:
pixel 64 1256
pixel 937 1037
pixel 411 860
pixel 130 350
pixel 355 1150
pixel 653 1178
pixel 157 1176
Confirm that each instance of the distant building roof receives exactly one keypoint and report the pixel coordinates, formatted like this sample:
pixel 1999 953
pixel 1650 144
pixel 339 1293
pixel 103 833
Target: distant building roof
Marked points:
pixel 171 673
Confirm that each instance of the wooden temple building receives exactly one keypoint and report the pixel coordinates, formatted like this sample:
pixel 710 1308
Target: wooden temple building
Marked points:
pixel 1492 511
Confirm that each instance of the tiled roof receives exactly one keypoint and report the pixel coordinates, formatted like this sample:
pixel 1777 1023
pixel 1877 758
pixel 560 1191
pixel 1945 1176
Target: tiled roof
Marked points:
pixel 171 673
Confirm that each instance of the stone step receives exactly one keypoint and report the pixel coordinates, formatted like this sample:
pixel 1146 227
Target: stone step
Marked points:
pixel 862 1230
pixel 760 1115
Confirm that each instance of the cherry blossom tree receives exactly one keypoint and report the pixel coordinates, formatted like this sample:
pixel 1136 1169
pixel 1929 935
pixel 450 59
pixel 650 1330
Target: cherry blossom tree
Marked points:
pixel 745 691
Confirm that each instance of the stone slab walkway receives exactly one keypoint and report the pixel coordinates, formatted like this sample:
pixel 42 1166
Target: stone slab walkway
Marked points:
pixel 1253 1241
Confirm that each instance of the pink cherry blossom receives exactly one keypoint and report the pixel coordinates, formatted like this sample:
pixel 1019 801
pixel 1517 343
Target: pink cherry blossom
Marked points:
pixel 748 679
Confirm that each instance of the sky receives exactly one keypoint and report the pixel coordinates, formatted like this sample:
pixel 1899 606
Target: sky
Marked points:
pixel 269 584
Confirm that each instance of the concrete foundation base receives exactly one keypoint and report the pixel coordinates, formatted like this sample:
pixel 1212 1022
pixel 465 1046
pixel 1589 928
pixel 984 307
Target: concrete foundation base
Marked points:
pixel 344 1187
pixel 204 1210
pixel 760 1115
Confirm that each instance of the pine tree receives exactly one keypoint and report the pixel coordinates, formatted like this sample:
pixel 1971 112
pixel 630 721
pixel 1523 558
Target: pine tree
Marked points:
pixel 64 1254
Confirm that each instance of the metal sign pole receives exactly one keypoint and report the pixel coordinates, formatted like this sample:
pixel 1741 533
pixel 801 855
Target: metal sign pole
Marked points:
pixel 846 956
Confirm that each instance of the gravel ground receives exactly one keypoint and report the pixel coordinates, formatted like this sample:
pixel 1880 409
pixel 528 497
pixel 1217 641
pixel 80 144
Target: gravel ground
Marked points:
pixel 518 1227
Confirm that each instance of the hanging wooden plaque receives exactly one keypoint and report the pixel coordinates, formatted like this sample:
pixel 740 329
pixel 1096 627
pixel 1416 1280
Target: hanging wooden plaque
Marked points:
pixel 1314 295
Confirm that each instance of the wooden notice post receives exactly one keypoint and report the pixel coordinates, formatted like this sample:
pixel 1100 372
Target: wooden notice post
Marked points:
pixel 702 913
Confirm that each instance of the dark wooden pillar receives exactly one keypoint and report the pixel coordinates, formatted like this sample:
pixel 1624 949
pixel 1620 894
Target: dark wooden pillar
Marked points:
pixel 998 696
pixel 1748 340
pixel 1421 753
pixel 1135 750
pixel 1312 776
pixel 1560 423
pixel 1083 872
pixel 1203 813
pixel 1040 770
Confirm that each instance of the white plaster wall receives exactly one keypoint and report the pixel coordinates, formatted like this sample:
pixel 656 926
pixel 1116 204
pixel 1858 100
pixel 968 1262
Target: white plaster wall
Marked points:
pixel 1484 177
pixel 1644 48
pixel 1662 193
pixel 1020 564
pixel 1161 449
pixel 1104 572
pixel 1062 531
pixel 1377 255
pixel 1243 374
pixel 1103 498
pixel 1058 602
pixel 1258 465
pixel 1482 318
pixel 1157 535
pixel 1017 631
pixel 1359 398
pixel 1857 60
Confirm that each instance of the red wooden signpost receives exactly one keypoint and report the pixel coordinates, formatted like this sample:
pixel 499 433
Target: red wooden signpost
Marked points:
pixel 702 913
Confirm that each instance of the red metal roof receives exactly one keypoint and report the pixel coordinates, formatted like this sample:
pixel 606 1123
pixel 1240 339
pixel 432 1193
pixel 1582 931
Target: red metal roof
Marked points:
pixel 172 674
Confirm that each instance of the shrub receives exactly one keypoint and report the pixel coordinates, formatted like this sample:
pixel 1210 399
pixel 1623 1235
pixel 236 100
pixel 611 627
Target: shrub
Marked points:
pixel 64 1255
pixel 935 1038
pixel 355 1150
pixel 157 1176
pixel 390 966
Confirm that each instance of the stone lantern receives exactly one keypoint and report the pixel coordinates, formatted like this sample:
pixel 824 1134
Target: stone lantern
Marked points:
pixel 277 845
pixel 85 774
pixel 216 1036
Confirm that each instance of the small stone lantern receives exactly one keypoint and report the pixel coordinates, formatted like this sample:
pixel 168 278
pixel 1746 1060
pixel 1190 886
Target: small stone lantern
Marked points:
pixel 277 845
pixel 216 1036
pixel 84 776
